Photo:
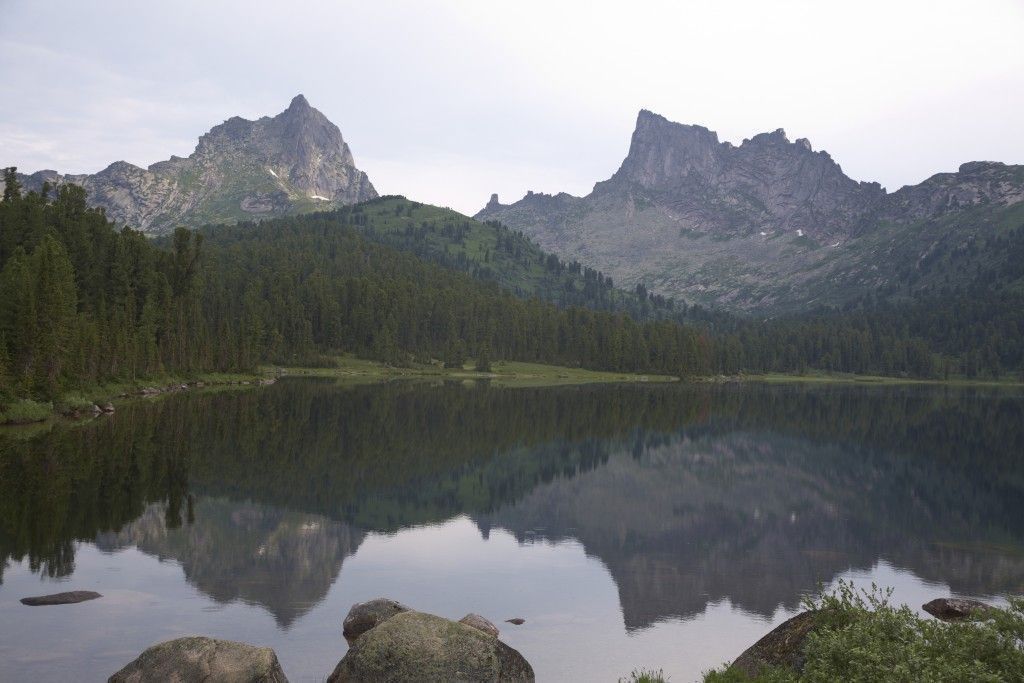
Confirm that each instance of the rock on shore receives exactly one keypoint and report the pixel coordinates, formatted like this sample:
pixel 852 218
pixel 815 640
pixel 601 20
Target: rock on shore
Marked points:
pixel 955 609
pixel 412 645
pixel 197 658
pixel 783 646
pixel 365 615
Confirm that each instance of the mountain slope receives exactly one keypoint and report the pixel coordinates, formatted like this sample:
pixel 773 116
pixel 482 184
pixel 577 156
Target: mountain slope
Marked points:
pixel 493 253
pixel 294 162
pixel 768 225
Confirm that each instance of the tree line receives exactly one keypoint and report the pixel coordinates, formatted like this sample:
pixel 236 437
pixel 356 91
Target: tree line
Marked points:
pixel 83 302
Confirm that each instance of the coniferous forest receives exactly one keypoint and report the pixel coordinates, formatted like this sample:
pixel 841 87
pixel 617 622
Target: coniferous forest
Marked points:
pixel 83 302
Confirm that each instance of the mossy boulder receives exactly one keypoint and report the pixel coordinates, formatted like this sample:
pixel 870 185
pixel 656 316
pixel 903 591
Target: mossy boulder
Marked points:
pixel 424 647
pixel 783 646
pixel 365 615
pixel 197 658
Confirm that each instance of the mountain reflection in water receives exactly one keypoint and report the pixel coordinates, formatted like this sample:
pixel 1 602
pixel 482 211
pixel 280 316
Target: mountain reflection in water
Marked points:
pixel 689 495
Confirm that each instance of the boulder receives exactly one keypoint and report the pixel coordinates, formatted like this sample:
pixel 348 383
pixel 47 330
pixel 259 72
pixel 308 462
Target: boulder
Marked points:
pixel 68 598
pixel 783 646
pixel 955 609
pixel 196 658
pixel 107 407
pixel 414 646
pixel 365 615
pixel 479 623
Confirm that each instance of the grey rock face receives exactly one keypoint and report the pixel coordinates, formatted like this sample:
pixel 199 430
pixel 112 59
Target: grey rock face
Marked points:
pixel 196 658
pixel 241 170
pixel 767 224
pixel 67 598
pixel 974 184
pixel 766 182
pixel 423 647
pixel 365 615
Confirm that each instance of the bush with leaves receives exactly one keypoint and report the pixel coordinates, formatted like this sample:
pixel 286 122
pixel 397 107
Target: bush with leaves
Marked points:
pixel 860 636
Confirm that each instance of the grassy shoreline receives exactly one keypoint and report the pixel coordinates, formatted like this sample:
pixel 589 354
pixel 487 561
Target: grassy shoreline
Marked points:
pixel 516 373
pixel 351 369
pixel 81 402
pixel 20 412
pixel 819 378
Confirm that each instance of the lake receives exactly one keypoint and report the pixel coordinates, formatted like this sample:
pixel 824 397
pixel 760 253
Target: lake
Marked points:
pixel 629 525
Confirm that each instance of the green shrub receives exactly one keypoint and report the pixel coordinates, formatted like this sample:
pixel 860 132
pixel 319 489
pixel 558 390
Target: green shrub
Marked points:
pixel 645 676
pixel 72 402
pixel 861 636
pixel 23 411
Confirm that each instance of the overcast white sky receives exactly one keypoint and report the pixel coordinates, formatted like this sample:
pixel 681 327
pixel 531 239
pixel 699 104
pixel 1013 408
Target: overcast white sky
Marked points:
pixel 447 102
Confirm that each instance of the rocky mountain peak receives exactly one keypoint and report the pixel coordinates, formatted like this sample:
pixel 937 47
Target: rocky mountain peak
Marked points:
pixel 299 104
pixel 661 151
pixel 240 170
pixel 751 225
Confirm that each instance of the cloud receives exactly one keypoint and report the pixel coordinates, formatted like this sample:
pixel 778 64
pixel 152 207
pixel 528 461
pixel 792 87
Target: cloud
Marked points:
pixel 453 100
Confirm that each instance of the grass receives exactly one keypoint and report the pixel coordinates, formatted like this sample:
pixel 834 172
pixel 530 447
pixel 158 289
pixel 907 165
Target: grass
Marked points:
pixel 24 411
pixel 861 636
pixel 502 372
pixel 841 378
pixel 645 676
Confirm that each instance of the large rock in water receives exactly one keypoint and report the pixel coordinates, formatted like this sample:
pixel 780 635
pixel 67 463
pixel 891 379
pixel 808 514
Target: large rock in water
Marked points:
pixel 365 615
pixel 196 658
pixel 783 646
pixel 68 598
pixel 955 609
pixel 414 646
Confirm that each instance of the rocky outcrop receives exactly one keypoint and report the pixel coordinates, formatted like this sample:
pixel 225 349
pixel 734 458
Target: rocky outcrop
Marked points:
pixel 783 646
pixel 365 615
pixel 67 598
pixel 978 183
pixel 241 170
pixel 417 646
pixel 766 183
pixel 766 224
pixel 196 658
pixel 955 609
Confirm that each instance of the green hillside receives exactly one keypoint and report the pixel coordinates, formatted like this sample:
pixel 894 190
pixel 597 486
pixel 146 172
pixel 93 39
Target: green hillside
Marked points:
pixel 492 252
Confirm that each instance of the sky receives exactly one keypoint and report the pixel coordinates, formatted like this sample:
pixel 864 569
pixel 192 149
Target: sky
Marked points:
pixel 449 101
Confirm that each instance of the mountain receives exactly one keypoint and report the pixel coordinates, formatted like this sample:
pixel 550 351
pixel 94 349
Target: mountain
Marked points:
pixel 769 224
pixel 493 253
pixel 294 162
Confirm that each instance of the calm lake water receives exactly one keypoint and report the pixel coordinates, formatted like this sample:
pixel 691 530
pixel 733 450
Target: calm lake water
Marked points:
pixel 656 526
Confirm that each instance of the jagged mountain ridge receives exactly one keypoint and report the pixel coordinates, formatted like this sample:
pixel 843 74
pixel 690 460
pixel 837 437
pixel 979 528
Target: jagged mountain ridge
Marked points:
pixel 768 224
pixel 240 170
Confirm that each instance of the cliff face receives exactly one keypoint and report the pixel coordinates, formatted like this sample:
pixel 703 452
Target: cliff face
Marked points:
pixel 240 170
pixel 767 183
pixel 767 224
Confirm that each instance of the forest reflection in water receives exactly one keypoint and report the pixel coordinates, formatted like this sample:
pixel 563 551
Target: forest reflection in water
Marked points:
pixel 688 495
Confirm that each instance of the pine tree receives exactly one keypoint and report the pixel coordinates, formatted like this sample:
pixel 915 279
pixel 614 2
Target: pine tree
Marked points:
pixel 483 359
pixel 12 186
pixel 56 301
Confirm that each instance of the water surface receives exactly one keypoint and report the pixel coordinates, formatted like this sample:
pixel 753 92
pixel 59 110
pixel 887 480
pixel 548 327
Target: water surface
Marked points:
pixel 656 526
